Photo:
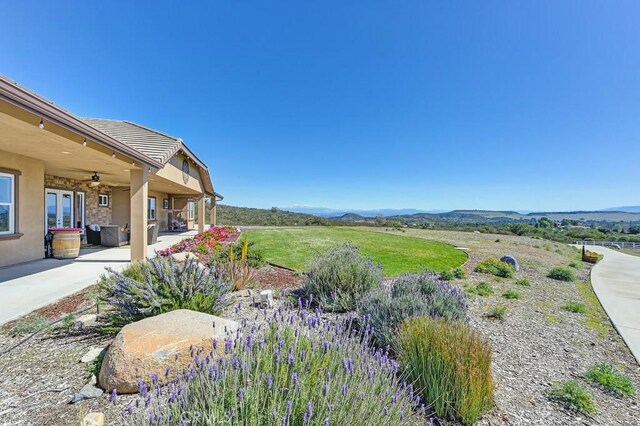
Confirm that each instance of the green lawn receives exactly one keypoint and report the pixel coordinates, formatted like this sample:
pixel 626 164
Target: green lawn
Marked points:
pixel 295 247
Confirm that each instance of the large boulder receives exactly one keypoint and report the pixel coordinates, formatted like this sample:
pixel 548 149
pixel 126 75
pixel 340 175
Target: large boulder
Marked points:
pixel 154 344
pixel 511 261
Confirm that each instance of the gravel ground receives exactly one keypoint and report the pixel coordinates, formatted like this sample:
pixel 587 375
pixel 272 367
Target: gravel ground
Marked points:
pixel 537 343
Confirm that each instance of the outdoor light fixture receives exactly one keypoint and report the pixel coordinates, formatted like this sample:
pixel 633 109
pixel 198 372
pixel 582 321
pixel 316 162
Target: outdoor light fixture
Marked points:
pixel 133 163
pixel 95 179
pixel 41 125
pixel 113 155
pixel 84 142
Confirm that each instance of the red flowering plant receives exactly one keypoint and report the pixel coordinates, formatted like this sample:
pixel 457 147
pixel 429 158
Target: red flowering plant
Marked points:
pixel 206 243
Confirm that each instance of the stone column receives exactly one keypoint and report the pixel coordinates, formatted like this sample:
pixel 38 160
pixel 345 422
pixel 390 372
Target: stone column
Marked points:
pixel 139 183
pixel 201 203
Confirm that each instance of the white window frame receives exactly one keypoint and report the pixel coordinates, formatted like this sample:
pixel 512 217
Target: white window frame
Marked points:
pixel 11 204
pixel 103 200
pixel 151 211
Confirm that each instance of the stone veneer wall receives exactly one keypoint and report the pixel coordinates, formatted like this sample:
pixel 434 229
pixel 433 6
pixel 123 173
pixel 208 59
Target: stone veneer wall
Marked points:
pixel 93 212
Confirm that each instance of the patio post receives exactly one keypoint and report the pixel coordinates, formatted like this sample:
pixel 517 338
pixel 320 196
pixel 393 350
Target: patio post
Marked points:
pixel 139 194
pixel 212 212
pixel 201 204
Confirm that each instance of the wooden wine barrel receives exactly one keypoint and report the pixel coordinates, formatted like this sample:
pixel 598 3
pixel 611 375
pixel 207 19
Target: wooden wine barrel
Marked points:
pixel 66 245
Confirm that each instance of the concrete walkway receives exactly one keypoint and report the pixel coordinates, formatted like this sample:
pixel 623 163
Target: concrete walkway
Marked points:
pixel 32 285
pixel 616 282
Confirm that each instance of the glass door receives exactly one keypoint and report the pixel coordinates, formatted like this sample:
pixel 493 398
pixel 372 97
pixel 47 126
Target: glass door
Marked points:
pixel 58 209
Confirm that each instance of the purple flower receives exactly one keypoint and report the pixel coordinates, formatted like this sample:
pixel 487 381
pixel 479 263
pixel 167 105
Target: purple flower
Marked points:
pixel 325 389
pixel 114 395
pixel 269 381
pixel 345 389
pixel 167 371
pixel 240 393
pixel 326 421
pixel 294 378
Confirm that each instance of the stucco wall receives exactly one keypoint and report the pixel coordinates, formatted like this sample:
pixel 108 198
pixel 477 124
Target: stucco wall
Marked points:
pixel 122 210
pixel 30 210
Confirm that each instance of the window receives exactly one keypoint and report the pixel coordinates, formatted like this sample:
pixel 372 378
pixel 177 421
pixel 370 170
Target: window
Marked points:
pixel 192 210
pixel 7 203
pixel 151 208
pixel 103 200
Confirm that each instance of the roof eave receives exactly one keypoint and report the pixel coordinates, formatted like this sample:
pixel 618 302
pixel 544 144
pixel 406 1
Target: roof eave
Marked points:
pixel 22 98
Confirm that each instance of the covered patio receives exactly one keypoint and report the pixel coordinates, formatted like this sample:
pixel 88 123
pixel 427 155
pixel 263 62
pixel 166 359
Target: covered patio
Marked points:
pixel 58 170
pixel 32 285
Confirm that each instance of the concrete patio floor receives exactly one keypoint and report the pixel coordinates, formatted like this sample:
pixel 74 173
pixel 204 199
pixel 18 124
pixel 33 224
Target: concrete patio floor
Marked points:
pixel 32 285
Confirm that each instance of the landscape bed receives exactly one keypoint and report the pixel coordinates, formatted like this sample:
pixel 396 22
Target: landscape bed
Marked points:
pixel 536 345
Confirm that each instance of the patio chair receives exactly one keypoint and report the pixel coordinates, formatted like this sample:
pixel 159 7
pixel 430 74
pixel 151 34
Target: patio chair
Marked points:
pixel 152 233
pixel 93 234
pixel 112 236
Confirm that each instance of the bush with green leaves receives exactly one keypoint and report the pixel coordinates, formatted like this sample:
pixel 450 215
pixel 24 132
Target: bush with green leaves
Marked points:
pixel 575 307
pixel 339 277
pixel 28 325
pixel 160 285
pixel 495 267
pixel 459 273
pixel 562 273
pixel 447 275
pixel 610 379
pixel 483 288
pixel 255 258
pixel 512 294
pixel 572 396
pixel 449 365
pixel 497 312
pixel 523 282
pixel 410 295
pixel 298 369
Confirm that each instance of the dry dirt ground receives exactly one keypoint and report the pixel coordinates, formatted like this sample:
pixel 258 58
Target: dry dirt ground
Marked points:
pixel 535 345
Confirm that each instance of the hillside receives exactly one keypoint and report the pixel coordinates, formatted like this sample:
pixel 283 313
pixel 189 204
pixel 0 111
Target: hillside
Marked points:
pixel 230 215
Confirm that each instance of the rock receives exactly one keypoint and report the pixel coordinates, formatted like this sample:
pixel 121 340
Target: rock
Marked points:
pixel 245 293
pixel 88 320
pixel 154 344
pixel 182 257
pixel 511 261
pixel 88 391
pixel 266 299
pixel 93 354
pixel 93 419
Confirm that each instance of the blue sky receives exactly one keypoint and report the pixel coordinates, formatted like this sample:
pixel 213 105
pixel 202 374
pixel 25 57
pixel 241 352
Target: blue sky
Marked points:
pixel 432 105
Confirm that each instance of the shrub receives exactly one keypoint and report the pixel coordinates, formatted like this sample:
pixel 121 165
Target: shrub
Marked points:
pixel 296 370
pixel 562 273
pixel 512 294
pixel 447 275
pixel 523 282
pixel 497 312
pixel 572 396
pixel 483 288
pixel 254 257
pixel 495 267
pixel 574 264
pixel 450 366
pixel 459 273
pixel 28 325
pixel 408 296
pixel 575 307
pixel 610 379
pixel 337 278
pixel 161 285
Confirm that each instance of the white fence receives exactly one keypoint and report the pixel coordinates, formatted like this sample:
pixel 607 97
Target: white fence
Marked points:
pixel 615 244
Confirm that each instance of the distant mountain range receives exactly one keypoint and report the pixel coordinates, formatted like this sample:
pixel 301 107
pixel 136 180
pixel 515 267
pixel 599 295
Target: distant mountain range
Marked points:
pixel 354 214
pixel 327 212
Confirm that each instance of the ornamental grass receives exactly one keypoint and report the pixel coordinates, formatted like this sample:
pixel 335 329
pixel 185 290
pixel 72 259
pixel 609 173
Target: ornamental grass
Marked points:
pixel 449 365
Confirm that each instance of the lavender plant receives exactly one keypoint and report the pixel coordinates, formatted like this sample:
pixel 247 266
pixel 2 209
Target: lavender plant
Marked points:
pixel 161 285
pixel 337 278
pixel 297 369
pixel 409 296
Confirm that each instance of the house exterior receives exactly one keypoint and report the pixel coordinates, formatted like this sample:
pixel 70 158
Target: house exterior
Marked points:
pixel 60 170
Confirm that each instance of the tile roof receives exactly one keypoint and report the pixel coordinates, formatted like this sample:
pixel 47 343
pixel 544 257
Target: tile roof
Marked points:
pixel 159 146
